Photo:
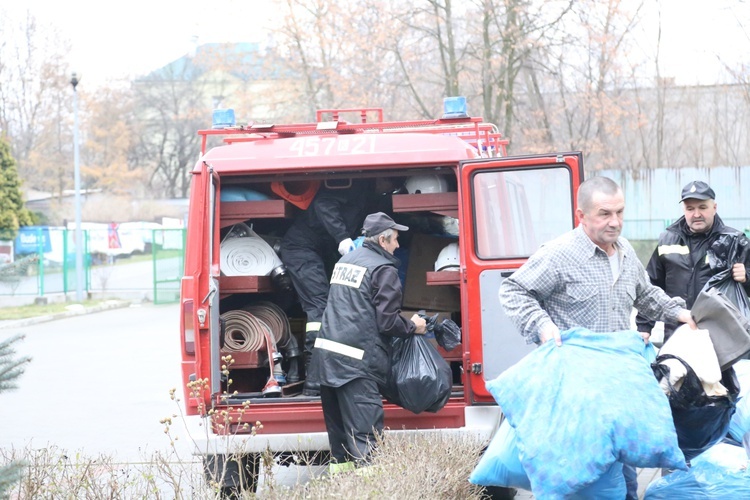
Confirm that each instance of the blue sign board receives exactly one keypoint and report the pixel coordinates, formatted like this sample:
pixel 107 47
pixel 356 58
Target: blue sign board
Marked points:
pixel 31 239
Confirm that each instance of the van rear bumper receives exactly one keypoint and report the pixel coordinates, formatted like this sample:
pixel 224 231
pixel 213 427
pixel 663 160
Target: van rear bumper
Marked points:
pixel 481 422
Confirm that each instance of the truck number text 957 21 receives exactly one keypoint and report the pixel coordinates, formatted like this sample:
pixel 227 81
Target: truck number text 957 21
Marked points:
pixel 334 144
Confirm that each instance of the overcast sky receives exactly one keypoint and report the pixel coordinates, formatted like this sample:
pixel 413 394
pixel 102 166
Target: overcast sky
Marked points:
pixel 117 40
pixel 699 36
pixel 113 40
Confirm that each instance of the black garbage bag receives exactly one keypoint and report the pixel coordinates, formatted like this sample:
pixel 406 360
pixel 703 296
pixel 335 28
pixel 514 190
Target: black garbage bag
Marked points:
pixel 726 251
pixel 420 379
pixel 700 420
pixel 447 332
pixel 727 326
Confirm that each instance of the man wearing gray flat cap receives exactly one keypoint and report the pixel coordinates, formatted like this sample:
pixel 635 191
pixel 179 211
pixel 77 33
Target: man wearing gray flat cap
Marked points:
pixel 351 355
pixel 680 264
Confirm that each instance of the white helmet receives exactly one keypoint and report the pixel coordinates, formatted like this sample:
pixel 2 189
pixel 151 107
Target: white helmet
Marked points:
pixel 426 183
pixel 447 259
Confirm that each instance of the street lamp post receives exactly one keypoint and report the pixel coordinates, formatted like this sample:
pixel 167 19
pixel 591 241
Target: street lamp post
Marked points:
pixel 79 233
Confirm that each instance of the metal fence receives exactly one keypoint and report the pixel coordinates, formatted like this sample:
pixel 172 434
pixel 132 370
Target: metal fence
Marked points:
pixel 168 264
pixel 130 263
pixel 44 263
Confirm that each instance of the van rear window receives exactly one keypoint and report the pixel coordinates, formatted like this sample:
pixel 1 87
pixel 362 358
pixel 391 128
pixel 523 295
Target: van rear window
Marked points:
pixel 516 211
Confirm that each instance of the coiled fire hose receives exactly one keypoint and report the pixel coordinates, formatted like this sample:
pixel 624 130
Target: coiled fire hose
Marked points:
pixel 277 319
pixel 243 333
pixel 244 253
pixel 273 316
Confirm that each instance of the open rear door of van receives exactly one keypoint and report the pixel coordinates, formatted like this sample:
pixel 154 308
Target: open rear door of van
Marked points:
pixel 510 207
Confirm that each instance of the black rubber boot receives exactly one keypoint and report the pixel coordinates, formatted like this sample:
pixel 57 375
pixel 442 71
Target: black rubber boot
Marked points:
pixel 293 354
pixel 310 388
pixel 292 375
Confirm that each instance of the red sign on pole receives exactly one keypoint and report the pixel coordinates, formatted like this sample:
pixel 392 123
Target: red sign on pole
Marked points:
pixel 113 238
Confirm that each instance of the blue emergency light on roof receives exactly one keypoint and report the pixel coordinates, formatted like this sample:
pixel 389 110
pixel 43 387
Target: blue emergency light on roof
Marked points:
pixel 454 107
pixel 223 118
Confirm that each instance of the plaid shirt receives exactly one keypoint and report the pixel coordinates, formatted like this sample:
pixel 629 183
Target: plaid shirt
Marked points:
pixel 569 282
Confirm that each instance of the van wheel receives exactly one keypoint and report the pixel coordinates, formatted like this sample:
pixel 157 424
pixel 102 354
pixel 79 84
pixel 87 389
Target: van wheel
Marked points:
pixel 235 474
pixel 499 493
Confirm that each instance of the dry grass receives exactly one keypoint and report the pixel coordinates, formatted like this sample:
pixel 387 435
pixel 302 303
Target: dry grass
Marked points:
pixel 55 473
pixel 421 467
pixel 414 467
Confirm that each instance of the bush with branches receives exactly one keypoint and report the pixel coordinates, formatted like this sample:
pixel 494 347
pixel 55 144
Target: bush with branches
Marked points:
pixel 10 369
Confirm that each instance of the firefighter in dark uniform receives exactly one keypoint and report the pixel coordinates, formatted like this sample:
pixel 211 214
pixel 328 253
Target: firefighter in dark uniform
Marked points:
pixel 331 219
pixel 351 356
pixel 679 265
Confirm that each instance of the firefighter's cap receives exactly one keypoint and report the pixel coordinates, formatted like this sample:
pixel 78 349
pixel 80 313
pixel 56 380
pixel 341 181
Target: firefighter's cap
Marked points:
pixel 378 222
pixel 697 190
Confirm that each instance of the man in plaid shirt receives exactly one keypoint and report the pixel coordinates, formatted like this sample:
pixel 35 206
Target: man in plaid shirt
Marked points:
pixel 589 277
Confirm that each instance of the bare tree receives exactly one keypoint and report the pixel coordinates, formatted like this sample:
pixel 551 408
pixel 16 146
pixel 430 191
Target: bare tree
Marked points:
pixel 514 35
pixel 429 51
pixel 35 99
pixel 740 72
pixel 342 55
pixel 111 137
pixel 306 21
pixel 660 88
pixel 586 68
pixel 480 49
pixel 171 106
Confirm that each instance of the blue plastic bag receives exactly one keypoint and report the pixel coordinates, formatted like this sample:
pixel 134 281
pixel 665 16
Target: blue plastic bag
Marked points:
pixel 500 466
pixel 579 408
pixel 718 473
pixel 237 193
pixel 610 486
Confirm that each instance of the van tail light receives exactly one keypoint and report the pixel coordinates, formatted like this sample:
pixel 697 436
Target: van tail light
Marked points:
pixel 188 327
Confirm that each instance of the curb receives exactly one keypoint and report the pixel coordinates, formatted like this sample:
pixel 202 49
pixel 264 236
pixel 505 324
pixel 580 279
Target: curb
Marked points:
pixel 110 304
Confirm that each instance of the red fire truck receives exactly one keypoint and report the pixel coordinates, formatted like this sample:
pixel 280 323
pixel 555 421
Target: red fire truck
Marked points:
pixel 253 183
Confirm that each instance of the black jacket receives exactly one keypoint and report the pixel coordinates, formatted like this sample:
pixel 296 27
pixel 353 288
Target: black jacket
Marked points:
pixel 333 216
pixel 361 316
pixel 679 265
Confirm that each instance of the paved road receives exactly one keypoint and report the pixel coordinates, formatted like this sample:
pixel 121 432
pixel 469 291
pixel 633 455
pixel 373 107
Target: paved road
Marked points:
pixel 98 383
